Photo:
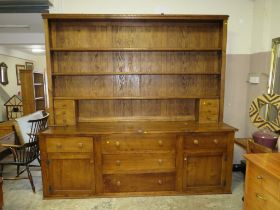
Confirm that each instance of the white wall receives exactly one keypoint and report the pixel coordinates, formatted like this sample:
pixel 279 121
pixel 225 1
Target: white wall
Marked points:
pixel 11 58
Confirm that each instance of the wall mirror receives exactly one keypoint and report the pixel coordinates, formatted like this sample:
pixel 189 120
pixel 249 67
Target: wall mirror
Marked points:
pixel 274 78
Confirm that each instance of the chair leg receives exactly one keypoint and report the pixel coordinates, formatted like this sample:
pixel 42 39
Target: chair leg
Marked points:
pixel 1 170
pixel 18 169
pixel 30 178
pixel 39 160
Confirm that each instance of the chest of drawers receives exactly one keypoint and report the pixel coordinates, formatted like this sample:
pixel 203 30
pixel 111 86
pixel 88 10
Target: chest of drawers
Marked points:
pixel 262 187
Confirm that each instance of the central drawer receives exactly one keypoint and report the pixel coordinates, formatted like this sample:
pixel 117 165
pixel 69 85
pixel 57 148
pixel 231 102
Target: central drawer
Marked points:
pixel 133 162
pixel 139 182
pixel 138 142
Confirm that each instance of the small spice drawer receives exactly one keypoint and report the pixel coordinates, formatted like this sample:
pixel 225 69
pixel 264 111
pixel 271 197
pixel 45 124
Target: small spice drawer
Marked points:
pixel 139 182
pixel 69 144
pixel 65 112
pixel 205 140
pixel 146 162
pixel 115 143
pixel 208 110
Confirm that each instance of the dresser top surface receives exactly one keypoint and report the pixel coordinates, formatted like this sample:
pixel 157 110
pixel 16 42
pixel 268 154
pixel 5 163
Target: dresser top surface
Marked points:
pixel 270 162
pixel 137 127
pixel 136 16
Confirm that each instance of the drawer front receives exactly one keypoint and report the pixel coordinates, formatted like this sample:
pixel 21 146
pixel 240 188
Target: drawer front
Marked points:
pixel 114 143
pixel 123 163
pixel 259 199
pixel 208 110
pixel 64 112
pixel 206 140
pixel 139 182
pixel 69 144
pixel 265 181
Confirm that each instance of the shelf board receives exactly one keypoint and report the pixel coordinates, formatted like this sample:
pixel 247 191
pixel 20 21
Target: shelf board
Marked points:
pixel 130 98
pixel 131 73
pixel 135 49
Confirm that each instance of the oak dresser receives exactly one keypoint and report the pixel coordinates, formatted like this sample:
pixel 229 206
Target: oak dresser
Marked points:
pixel 136 105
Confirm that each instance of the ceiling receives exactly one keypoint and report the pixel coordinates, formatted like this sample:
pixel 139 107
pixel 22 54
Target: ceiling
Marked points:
pixel 24 6
pixel 34 22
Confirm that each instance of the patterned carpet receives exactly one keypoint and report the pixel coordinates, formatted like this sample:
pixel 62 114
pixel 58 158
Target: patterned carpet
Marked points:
pixel 19 196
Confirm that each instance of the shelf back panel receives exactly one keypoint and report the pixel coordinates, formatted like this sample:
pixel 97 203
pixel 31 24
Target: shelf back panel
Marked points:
pixel 95 34
pixel 189 86
pixel 112 110
pixel 136 62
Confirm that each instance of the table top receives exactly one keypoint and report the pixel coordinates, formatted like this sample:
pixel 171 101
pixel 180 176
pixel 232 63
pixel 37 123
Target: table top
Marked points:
pixel 270 162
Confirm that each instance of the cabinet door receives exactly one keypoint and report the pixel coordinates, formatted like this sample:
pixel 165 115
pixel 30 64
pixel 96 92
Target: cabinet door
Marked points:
pixel 70 174
pixel 204 171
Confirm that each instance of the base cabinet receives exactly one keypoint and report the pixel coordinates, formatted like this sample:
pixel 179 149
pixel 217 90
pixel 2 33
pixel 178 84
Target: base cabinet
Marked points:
pixel 124 164
pixel 204 171
pixel 71 175
pixel 69 166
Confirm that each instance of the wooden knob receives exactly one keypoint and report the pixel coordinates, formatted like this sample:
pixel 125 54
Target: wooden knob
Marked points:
pixel 80 145
pixel 160 142
pixel 118 162
pixel 145 132
pixel 160 161
pixel 259 177
pixel 117 144
pixel 260 196
pixel 58 145
pixel 107 142
pixel 118 183
pixel 159 181
pixel 185 158
pixel 216 141
pixel 195 141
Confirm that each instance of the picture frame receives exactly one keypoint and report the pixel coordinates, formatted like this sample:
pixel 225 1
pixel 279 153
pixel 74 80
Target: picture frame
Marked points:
pixel 29 66
pixel 18 68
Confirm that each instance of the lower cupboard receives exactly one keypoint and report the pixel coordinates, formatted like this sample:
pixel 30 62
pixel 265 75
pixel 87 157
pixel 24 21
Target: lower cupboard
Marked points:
pixel 78 165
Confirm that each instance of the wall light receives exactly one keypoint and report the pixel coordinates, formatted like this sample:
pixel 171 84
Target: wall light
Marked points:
pixel 37 50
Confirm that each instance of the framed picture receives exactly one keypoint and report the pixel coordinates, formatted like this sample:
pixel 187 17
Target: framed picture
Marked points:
pixel 19 67
pixel 29 66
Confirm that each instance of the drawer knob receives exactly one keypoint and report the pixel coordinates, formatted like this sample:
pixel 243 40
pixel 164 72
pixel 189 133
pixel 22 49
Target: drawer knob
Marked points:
pixel 195 141
pixel 259 177
pixel 260 196
pixel 160 142
pixel 80 145
pixel 160 161
pixel 118 183
pixel 216 141
pixel 185 158
pixel 107 142
pixel 118 162
pixel 117 144
pixel 160 182
pixel 58 145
